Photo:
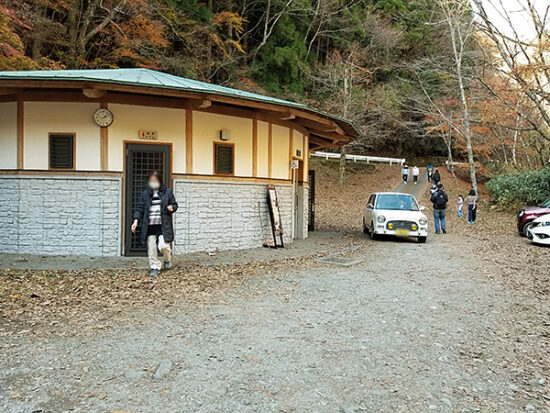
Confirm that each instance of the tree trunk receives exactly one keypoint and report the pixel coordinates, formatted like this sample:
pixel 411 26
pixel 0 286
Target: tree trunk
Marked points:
pixel 464 101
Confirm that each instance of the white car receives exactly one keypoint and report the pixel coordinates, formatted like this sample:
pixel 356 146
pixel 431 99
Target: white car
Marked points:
pixel 392 213
pixel 539 231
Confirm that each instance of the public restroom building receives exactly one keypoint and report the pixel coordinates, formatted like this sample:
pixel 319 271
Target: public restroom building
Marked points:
pixel 76 146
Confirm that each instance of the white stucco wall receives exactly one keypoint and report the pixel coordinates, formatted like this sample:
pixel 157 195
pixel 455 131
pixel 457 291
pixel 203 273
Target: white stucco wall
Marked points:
pixel 263 134
pixel 206 131
pixel 41 118
pixel 280 157
pixel 8 135
pixel 298 144
pixel 129 119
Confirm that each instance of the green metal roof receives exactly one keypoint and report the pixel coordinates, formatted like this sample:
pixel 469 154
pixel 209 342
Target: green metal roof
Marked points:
pixel 153 78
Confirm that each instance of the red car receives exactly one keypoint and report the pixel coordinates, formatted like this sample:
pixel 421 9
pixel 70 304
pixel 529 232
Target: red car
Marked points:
pixel 527 215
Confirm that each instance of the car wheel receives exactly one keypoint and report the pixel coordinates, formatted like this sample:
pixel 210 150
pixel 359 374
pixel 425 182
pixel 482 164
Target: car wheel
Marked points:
pixel 373 235
pixel 527 229
pixel 365 228
pixel 422 240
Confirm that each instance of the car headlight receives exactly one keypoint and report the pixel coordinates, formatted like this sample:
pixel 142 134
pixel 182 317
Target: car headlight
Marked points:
pixel 423 221
pixel 381 219
pixel 521 213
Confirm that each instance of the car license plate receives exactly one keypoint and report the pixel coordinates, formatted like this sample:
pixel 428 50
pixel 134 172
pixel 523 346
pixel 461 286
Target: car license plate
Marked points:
pixel 400 232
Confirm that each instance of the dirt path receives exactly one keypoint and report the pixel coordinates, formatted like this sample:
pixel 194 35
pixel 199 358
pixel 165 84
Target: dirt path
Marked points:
pixel 411 328
pixel 411 188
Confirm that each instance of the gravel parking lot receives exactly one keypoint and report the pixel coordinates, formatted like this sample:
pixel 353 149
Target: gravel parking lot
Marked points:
pixel 411 328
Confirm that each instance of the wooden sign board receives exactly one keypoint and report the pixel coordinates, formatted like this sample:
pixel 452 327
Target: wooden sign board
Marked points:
pixel 150 135
pixel 275 217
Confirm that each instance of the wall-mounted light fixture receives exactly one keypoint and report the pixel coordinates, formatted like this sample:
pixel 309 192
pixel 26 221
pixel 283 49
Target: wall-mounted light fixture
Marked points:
pixel 225 135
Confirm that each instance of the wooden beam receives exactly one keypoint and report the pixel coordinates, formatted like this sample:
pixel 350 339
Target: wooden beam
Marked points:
pixel 269 149
pixel 252 114
pixel 332 136
pixel 277 115
pixel 254 147
pixel 201 103
pixel 322 143
pixel 321 126
pixel 77 84
pixel 7 91
pixel 104 143
pixel 306 159
pixel 94 93
pixel 189 141
pixel 290 150
pixel 20 133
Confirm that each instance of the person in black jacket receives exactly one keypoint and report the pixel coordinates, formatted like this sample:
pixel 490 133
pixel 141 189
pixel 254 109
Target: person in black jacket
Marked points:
pixel 439 200
pixel 154 215
pixel 437 177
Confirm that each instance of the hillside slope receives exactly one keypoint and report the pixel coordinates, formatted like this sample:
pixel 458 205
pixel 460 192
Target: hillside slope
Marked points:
pixel 338 207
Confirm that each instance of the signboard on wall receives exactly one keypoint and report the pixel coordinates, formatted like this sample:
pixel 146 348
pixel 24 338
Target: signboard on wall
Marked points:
pixel 150 135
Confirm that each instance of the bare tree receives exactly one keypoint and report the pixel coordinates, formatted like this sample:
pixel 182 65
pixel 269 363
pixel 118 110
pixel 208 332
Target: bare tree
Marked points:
pixel 520 52
pixel 458 20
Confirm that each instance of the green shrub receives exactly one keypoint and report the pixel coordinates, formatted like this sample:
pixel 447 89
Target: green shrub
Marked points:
pixel 525 187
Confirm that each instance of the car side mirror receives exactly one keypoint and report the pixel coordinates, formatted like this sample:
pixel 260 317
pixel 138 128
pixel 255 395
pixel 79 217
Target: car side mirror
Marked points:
pixel 422 208
pixel 370 206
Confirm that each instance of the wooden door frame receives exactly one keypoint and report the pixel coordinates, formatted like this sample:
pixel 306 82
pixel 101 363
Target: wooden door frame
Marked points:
pixel 311 200
pixel 124 171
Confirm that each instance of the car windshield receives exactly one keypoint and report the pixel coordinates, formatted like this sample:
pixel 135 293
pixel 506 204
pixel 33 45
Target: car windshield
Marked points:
pixel 396 202
pixel 546 204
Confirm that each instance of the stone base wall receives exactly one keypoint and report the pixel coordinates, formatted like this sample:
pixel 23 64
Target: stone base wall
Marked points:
pixel 303 195
pixel 219 215
pixel 60 215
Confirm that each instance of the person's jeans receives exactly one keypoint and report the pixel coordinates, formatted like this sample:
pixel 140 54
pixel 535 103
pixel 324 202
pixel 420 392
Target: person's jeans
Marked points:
pixel 472 213
pixel 460 213
pixel 154 262
pixel 439 215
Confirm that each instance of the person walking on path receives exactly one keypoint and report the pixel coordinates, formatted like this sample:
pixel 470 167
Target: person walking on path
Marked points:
pixel 460 206
pixel 436 177
pixel 416 172
pixel 405 172
pixel 439 200
pixel 154 215
pixel 430 172
pixel 471 201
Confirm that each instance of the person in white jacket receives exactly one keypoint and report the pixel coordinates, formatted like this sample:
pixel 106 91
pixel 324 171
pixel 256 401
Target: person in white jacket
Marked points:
pixel 416 172
pixel 405 172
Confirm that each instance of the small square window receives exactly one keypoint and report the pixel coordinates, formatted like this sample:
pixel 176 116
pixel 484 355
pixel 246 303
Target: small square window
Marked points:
pixel 224 158
pixel 61 151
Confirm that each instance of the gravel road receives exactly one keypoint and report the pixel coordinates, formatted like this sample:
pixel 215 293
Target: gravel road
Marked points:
pixel 411 328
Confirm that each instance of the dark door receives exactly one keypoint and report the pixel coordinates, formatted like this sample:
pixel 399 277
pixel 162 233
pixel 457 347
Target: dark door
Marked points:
pixel 141 159
pixel 311 209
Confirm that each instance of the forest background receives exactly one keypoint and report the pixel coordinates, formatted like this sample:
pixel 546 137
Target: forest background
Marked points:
pixel 441 79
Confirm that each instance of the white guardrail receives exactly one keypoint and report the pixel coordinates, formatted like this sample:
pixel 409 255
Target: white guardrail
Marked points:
pixel 355 158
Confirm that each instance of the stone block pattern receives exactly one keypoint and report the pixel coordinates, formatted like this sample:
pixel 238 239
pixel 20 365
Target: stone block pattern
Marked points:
pixel 216 216
pixel 60 215
pixel 305 211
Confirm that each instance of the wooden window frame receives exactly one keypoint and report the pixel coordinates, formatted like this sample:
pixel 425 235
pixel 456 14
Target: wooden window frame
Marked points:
pixel 214 164
pixel 73 134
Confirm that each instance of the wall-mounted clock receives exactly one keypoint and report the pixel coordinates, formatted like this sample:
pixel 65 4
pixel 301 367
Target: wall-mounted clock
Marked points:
pixel 103 117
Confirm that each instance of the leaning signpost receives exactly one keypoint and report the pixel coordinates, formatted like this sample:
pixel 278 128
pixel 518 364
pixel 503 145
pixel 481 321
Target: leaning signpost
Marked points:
pixel 275 218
